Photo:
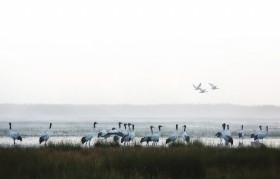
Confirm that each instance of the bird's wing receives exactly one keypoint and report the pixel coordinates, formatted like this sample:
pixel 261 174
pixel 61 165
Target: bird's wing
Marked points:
pixel 45 135
pixel 199 85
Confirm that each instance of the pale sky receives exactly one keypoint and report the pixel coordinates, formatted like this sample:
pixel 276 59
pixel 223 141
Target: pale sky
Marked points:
pixel 139 52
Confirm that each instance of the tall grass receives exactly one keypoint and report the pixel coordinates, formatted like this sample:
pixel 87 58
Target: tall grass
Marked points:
pixel 193 160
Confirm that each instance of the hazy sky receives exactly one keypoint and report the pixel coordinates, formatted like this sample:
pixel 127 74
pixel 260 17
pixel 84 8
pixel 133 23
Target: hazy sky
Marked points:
pixel 139 52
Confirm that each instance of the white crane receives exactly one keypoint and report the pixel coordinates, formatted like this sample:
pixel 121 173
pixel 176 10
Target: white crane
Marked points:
pixel 222 134
pixel 89 136
pixel 174 136
pixel 144 139
pixel 155 137
pixel 228 131
pixel 46 136
pixel 241 133
pixel 116 137
pixel 253 135
pixel 261 135
pixel 197 87
pixel 102 133
pixel 202 90
pixel 213 86
pixel 185 136
pixel 126 138
pixel 219 134
pixel 114 132
pixel 14 135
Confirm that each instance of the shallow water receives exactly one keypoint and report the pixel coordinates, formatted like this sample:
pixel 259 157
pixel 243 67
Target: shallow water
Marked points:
pixel 34 141
pixel 72 131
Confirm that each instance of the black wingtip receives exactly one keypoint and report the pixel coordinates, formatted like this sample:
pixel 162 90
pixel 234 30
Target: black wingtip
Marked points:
pixel 231 141
pixel 256 137
pixel 41 140
pixel 187 138
pixel 167 141
pixel 83 140
pixel 219 134
pixel 252 135
pixel 19 138
pixel 99 134
pixel 142 140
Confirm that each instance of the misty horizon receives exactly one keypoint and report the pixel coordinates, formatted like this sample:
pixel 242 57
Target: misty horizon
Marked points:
pixel 189 111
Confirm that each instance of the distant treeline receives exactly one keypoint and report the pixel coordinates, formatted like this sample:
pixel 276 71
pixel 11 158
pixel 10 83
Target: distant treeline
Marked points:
pixel 139 111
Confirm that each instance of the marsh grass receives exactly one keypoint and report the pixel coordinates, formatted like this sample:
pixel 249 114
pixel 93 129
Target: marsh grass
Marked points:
pixel 100 143
pixel 63 146
pixel 194 160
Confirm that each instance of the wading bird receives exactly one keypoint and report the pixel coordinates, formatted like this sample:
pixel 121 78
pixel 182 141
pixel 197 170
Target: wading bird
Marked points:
pixel 89 136
pixel 185 135
pixel 228 131
pixel 129 137
pixel 222 134
pixel 174 136
pixel 116 137
pixel 155 137
pixel 241 133
pixel 46 136
pixel 14 135
pixel 144 139
pixel 253 135
pixel 114 131
pixel 261 135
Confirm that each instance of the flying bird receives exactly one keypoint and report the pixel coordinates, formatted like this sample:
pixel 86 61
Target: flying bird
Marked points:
pixel 213 86
pixel 202 90
pixel 197 87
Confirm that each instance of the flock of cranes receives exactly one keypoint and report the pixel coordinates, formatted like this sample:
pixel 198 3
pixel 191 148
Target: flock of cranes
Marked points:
pixel 201 90
pixel 127 135
pixel 226 135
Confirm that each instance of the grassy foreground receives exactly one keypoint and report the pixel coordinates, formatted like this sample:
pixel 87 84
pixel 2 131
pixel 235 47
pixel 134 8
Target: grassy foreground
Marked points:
pixel 178 161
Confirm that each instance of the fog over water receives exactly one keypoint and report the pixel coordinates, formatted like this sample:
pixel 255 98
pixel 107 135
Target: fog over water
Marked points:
pixel 71 122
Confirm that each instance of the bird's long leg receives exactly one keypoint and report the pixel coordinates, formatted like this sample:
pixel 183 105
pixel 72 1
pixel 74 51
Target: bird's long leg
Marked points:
pixel 14 142
pixel 45 143
pixel 88 143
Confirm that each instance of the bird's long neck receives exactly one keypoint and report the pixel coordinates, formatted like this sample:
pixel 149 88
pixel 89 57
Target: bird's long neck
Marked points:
pixel 152 130
pixel 159 132
pixel 93 129
pixel 184 129
pixel 10 126
pixel 119 125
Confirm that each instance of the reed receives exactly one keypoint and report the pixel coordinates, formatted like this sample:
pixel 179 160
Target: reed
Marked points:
pixel 194 160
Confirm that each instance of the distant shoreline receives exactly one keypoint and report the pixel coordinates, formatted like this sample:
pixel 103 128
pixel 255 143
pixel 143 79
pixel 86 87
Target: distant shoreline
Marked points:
pixel 189 111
